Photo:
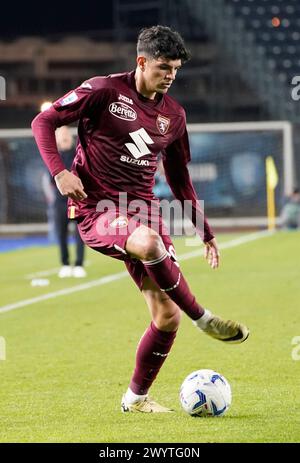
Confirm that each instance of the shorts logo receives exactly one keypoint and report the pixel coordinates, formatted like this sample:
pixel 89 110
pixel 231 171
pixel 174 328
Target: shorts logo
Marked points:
pixel 162 124
pixel 122 111
pixel 69 99
pixel 119 222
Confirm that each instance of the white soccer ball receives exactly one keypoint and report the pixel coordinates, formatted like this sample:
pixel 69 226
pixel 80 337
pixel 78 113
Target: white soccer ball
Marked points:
pixel 205 393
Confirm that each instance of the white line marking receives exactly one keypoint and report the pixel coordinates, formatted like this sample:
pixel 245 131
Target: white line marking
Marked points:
pixel 118 276
pixel 63 292
pixel 228 244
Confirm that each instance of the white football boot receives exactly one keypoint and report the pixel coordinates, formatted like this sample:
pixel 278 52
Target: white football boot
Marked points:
pixel 145 405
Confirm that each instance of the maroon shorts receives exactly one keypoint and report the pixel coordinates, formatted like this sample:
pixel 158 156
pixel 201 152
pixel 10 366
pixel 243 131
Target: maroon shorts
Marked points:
pixel 107 232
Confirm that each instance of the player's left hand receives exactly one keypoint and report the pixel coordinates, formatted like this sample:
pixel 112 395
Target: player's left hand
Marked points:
pixel 211 253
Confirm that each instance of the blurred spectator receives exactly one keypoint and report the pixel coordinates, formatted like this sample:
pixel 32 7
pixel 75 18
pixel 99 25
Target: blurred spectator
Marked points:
pixel 65 146
pixel 49 193
pixel 290 215
pixel 161 188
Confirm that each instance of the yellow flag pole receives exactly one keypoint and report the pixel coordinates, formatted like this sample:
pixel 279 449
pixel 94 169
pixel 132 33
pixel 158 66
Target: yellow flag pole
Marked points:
pixel 271 208
pixel 271 182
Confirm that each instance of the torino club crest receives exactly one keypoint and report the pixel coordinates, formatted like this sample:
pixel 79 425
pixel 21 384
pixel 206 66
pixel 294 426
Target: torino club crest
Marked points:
pixel 163 124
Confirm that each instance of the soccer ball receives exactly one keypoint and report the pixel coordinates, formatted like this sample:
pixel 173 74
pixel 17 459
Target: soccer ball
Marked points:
pixel 205 393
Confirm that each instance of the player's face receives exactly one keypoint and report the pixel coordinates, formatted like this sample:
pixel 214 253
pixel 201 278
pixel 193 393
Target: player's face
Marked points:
pixel 159 74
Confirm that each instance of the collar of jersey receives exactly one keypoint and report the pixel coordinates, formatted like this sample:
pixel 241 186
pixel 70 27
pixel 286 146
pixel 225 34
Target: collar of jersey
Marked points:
pixel 138 96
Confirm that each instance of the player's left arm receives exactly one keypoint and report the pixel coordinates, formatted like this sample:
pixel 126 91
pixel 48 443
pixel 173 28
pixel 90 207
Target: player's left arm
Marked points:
pixel 212 253
pixel 175 159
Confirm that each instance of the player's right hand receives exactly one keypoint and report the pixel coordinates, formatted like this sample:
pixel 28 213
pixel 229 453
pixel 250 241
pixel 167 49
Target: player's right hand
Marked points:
pixel 70 185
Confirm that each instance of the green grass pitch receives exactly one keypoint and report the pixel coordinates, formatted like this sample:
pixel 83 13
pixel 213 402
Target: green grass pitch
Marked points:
pixel 69 358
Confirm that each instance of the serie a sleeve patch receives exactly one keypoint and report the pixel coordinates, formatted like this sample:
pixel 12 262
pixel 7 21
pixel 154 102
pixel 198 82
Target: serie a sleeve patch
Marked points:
pixel 68 99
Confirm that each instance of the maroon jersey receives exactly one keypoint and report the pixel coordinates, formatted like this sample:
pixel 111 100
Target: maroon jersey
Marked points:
pixel 120 135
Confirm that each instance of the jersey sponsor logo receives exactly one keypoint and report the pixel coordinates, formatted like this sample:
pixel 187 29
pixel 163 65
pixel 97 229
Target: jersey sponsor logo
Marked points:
pixel 141 141
pixel 139 148
pixel 86 85
pixel 125 98
pixel 163 124
pixel 119 222
pixel 138 162
pixel 122 111
pixel 69 99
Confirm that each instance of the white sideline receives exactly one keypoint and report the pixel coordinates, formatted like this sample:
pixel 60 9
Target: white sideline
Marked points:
pixel 118 276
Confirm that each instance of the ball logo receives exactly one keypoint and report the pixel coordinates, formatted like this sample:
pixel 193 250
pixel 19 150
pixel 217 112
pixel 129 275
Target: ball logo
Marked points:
pixel 122 111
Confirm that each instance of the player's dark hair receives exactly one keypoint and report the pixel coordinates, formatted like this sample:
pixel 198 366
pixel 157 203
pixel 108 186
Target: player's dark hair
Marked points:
pixel 162 42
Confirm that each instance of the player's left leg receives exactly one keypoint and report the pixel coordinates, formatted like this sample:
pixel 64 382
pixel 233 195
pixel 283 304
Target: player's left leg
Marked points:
pixel 158 257
pixel 155 252
pixel 153 349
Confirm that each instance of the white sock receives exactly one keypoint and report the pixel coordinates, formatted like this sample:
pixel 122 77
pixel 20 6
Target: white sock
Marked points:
pixel 131 397
pixel 202 321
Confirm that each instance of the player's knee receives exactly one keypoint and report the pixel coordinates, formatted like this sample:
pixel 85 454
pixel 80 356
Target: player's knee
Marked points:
pixel 153 247
pixel 168 321
pixel 145 243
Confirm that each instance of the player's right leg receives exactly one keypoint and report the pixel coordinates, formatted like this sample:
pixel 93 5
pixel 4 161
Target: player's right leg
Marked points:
pixel 152 350
pixel 156 342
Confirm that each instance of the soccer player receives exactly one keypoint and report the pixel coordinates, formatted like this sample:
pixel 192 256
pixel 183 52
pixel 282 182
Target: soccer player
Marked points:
pixel 125 121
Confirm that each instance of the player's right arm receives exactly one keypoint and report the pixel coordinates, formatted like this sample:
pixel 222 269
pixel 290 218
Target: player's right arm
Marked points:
pixel 78 103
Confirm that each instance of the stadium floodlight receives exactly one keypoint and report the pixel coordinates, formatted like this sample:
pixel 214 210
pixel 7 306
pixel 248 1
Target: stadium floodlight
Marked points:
pixel 45 105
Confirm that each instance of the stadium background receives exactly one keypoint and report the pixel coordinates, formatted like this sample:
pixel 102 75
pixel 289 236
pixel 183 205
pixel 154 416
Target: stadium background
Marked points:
pixel 245 55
